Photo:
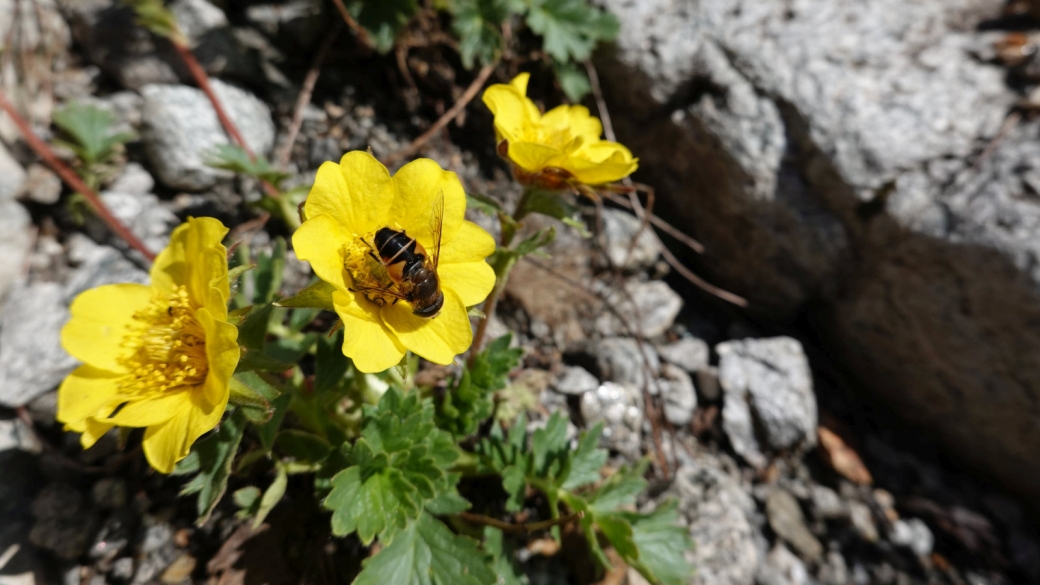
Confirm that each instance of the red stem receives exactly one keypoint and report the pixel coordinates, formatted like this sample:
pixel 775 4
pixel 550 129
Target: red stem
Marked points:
pixel 202 80
pixel 73 180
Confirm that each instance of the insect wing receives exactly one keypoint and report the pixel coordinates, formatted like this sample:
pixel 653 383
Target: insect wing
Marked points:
pixel 437 228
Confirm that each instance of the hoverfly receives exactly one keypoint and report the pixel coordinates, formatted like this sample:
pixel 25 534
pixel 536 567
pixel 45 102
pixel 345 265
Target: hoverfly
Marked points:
pixel 411 272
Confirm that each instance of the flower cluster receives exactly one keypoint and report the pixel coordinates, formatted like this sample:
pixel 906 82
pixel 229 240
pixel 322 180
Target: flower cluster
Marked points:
pixel 560 148
pixel 157 356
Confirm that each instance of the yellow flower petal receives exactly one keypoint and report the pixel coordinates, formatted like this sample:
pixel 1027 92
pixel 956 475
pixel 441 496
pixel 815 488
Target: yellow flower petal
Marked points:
pixel 366 340
pixel 357 193
pixel 87 392
pixel 320 241
pixel 92 431
pixel 520 82
pixel 222 353
pixel 603 162
pixel 100 320
pixel 418 185
pixel 470 244
pixel 471 281
pixel 168 443
pixel 151 409
pixel 195 258
pixel 534 157
pixel 576 120
pixel 512 109
pixel 438 339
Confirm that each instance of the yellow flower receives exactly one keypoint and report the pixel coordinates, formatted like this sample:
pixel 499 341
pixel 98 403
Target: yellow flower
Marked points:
pixel 348 204
pixel 555 149
pixel 158 356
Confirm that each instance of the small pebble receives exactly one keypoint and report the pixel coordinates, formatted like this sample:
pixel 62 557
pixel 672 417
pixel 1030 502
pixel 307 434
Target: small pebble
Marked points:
pixel 179 570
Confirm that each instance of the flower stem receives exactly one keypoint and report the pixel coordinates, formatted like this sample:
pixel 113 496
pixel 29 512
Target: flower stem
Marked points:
pixel 521 527
pixel 73 180
pixel 503 265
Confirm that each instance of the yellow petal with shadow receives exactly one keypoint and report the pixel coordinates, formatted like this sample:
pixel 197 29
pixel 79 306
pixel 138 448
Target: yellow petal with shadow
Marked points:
pixel 439 339
pixel 366 340
pixel 101 319
pixel 357 193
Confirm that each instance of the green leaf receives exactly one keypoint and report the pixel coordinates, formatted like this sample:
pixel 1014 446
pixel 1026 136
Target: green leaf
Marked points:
pixel 570 29
pixel 270 270
pixel 537 241
pixel 545 202
pixel 586 460
pixel 248 499
pixel 477 22
pixel 212 457
pixel 302 446
pixel 152 15
pixel 502 558
pixel 427 553
pixel 257 361
pixel 395 469
pixel 550 447
pixel 329 362
pixel 272 496
pixel 470 400
pixel 662 542
pixel 235 159
pixel 573 81
pixel 620 489
pixel 483 203
pixel 383 20
pixel 316 296
pixel 252 332
pixel 269 430
pixel 253 394
pixel 89 129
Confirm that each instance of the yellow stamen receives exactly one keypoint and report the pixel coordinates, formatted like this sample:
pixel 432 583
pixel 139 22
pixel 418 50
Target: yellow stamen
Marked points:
pixel 366 272
pixel 167 346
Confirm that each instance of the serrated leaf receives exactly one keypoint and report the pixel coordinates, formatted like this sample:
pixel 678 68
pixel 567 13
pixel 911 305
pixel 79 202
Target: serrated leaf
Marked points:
pixel 550 448
pixel 573 81
pixel 212 456
pixel 477 22
pixel 662 542
pixel 514 480
pixel 427 553
pixel 272 495
pixel 470 400
pixel 586 460
pixel 550 203
pixel 620 490
pixel 90 131
pixel 536 241
pixel 570 29
pixel 234 158
pixel 316 296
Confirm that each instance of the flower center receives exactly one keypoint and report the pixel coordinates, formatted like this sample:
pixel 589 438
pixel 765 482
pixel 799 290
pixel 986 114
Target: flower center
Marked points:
pixel 367 273
pixel 167 346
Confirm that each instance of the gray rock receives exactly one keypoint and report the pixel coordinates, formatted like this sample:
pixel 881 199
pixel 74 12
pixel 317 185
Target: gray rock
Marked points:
pixel 786 520
pixel 197 17
pixel 125 107
pixel 97 265
pixel 782 567
pixel 301 20
pixel 620 408
pixel 122 569
pixel 15 434
pixel 863 521
pixel 708 383
pixel 42 185
pixel 575 381
pixel 12 176
pixel 913 534
pixel 146 217
pixel 15 244
pixel 114 42
pixel 717 509
pixel 840 164
pixel 826 504
pixel 62 524
pixel 769 403
pixel 689 353
pixel 648 308
pixel 834 571
pixel 134 180
pixel 680 399
pixel 32 360
pixel 619 229
pixel 620 360
pixel 181 130
pixel 109 493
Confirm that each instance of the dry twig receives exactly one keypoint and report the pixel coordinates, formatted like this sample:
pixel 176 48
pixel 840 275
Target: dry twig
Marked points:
pixel 466 97
pixel 73 180
pixel 304 98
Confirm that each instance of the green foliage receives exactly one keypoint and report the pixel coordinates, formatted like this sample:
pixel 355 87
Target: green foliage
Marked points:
pixel 316 296
pixel 234 158
pixel 254 395
pixel 152 15
pixel 427 553
pixel 211 459
pixel 382 20
pixel 395 469
pixel 570 29
pixel 573 81
pixel 478 24
pixel 89 133
pixel 469 399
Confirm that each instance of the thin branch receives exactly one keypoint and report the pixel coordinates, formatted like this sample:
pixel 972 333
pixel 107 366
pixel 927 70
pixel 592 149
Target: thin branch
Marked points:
pixel 659 223
pixel 202 79
pixel 362 35
pixel 304 97
pixel 521 527
pixel 466 97
pixel 73 180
